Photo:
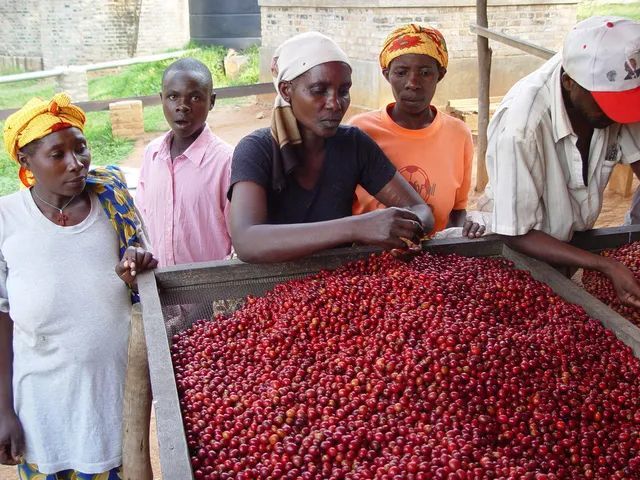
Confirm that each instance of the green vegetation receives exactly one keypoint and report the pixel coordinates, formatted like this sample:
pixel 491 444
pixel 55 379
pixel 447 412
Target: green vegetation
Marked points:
pixel 590 8
pixel 9 181
pixel 145 78
pixel 105 150
pixel 15 94
pixel 154 120
pixel 135 80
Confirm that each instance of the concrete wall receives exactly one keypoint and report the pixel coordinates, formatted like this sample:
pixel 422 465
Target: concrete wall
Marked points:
pixel 39 34
pixel 164 25
pixel 20 34
pixel 360 26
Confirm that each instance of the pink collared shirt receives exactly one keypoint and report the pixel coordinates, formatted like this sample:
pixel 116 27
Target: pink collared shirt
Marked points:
pixel 183 203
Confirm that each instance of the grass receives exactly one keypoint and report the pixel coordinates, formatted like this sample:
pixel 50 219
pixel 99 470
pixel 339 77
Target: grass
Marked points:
pixel 154 120
pixel 145 78
pixel 9 181
pixel 15 94
pixel 589 8
pixel 105 150
pixel 135 80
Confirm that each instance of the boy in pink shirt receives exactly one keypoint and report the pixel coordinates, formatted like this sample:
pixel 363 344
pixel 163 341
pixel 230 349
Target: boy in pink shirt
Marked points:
pixel 185 173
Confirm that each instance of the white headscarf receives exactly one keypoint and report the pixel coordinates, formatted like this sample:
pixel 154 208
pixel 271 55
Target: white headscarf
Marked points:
pixel 290 60
pixel 301 53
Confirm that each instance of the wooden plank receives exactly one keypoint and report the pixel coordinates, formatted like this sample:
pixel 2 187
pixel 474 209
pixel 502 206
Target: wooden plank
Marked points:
pixel 471 104
pixel 229 272
pixel 602 238
pixel 484 81
pixel 151 100
pixel 174 460
pixel 626 332
pixel 136 460
pixel 488 245
pixel 528 47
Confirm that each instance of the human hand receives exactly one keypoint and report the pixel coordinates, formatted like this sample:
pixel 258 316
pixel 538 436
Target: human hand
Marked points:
pixel 135 260
pixel 624 283
pixel 472 229
pixel 11 439
pixel 410 251
pixel 388 228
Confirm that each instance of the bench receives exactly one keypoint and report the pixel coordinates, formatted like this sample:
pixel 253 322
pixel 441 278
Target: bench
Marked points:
pixel 466 109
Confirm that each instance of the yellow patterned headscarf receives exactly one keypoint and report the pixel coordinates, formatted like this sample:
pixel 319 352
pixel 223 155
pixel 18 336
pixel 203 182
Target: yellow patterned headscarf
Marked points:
pixel 37 119
pixel 414 38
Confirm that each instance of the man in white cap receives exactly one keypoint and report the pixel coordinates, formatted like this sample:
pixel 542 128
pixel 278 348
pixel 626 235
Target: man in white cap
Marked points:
pixel 555 139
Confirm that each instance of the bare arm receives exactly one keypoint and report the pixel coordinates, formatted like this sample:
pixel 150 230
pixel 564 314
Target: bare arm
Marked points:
pixel 551 250
pixel 11 436
pixel 256 241
pixel 398 193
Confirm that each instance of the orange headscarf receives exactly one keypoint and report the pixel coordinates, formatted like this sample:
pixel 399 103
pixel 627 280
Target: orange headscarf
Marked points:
pixel 37 119
pixel 414 38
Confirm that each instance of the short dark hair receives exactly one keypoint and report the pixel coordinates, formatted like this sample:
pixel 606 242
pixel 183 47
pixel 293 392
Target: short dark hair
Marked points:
pixel 189 64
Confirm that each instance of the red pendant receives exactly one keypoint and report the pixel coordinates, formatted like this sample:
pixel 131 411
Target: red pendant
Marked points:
pixel 62 219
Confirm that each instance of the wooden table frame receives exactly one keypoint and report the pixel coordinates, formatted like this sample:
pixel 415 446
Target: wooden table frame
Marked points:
pixel 229 276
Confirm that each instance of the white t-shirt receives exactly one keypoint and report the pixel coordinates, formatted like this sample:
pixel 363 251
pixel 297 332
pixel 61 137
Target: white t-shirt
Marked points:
pixel 535 168
pixel 71 317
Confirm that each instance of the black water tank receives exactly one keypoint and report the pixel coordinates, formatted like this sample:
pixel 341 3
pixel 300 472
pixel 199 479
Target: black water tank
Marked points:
pixel 231 23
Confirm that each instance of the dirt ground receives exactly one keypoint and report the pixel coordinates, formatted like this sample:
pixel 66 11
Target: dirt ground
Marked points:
pixel 231 123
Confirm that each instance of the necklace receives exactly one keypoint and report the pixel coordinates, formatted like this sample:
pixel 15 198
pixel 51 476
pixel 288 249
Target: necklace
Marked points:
pixel 61 218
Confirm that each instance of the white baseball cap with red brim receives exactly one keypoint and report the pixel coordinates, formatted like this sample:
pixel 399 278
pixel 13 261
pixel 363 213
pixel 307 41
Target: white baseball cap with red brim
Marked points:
pixel 602 54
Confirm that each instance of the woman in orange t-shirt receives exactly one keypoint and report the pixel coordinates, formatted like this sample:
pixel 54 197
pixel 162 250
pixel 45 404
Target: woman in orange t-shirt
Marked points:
pixel 433 150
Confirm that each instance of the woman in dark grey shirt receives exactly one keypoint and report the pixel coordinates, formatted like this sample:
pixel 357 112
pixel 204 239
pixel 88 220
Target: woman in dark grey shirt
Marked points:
pixel 292 186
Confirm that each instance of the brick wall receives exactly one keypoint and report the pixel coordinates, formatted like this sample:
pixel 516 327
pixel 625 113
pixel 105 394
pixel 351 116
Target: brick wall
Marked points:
pixel 360 26
pixel 64 32
pixel 164 25
pixel 20 33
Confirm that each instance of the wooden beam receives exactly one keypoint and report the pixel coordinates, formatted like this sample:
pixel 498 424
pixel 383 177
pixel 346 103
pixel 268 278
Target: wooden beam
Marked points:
pixel 151 100
pixel 136 460
pixel 602 238
pixel 484 83
pixel 175 461
pixel 482 31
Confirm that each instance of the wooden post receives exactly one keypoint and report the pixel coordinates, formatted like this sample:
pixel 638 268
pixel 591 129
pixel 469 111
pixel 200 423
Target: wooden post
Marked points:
pixel 484 79
pixel 136 459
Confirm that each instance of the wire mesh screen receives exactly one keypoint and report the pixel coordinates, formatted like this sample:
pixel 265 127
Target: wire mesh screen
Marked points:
pixel 192 294
pixel 172 300
pixel 182 306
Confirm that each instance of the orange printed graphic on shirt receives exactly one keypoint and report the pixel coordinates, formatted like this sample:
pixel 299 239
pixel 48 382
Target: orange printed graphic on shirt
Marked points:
pixel 419 180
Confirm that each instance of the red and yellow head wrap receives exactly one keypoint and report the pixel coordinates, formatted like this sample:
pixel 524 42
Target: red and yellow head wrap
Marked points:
pixel 414 38
pixel 37 119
